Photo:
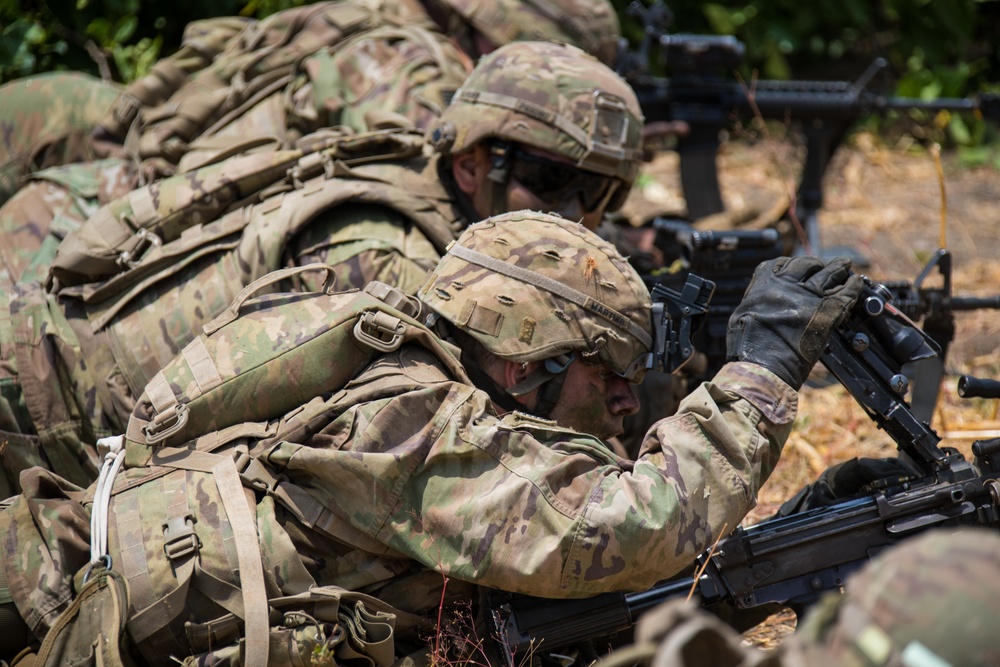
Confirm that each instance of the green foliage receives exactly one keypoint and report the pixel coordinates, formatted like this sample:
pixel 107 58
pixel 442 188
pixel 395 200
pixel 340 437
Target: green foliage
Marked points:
pixel 116 39
pixel 934 48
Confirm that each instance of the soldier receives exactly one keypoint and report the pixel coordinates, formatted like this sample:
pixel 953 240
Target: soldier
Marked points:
pixel 358 63
pixel 536 125
pixel 930 600
pixel 470 455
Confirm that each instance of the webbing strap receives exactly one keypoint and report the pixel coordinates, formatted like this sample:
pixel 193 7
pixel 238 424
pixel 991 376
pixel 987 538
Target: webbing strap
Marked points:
pixel 143 208
pixel 585 301
pixel 159 393
pixel 155 613
pixel 203 368
pixel 132 550
pixel 244 526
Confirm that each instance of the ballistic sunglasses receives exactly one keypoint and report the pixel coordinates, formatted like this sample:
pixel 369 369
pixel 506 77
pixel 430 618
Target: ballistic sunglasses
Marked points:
pixel 556 182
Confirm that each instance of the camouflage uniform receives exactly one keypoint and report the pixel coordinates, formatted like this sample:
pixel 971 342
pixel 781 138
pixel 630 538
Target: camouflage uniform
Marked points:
pixel 930 600
pixel 408 472
pixel 389 220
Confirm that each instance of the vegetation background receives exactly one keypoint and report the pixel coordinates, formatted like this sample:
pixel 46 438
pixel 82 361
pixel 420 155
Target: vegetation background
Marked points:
pixel 934 48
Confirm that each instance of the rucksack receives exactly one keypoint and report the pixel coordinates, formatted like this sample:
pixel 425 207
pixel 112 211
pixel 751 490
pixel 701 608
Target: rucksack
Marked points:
pixel 220 74
pixel 265 355
pixel 114 239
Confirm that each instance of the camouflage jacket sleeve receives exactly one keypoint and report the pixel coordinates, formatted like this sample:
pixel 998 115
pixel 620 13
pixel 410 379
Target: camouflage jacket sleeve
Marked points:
pixel 520 504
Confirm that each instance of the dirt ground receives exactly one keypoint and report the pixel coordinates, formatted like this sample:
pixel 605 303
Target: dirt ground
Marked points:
pixel 886 203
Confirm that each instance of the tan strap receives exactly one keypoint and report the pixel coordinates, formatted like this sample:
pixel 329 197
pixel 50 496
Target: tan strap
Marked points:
pixel 203 368
pixel 160 395
pixel 242 519
pixel 244 526
pixel 143 207
pixel 574 296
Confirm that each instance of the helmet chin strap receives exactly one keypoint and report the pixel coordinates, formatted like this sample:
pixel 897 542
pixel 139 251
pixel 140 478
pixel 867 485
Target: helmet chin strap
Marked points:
pixel 548 379
pixel 499 177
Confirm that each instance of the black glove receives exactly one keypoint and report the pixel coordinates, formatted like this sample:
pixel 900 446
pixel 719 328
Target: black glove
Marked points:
pixel 847 480
pixel 788 313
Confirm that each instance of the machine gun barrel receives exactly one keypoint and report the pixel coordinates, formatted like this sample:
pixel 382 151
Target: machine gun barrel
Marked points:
pixel 972 387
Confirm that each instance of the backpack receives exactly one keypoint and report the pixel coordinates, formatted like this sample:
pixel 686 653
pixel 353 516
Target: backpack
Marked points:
pixel 115 238
pixel 264 356
pixel 228 66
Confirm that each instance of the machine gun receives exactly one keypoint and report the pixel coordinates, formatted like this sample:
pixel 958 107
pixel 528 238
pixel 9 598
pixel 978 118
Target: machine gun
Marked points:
pixel 702 93
pixel 792 560
pixel 728 259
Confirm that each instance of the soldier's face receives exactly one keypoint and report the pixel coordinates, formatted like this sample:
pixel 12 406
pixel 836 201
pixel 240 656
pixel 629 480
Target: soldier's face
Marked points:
pixel 528 195
pixel 594 400
pixel 471 172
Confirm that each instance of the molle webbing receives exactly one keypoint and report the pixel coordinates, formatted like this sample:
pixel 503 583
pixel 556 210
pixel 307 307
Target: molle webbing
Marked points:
pixel 251 605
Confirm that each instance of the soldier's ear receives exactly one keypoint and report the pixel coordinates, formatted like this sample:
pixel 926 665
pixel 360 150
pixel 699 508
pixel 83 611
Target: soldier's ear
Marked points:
pixel 514 372
pixel 470 168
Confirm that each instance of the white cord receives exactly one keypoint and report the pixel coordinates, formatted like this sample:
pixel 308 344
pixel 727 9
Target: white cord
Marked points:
pixel 102 499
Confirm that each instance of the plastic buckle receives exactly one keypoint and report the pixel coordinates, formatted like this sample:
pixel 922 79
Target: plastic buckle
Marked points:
pixel 160 431
pixel 255 474
pixel 179 538
pixel 372 328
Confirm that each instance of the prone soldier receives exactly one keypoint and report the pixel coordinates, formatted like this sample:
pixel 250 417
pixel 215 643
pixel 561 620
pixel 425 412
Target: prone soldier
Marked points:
pixel 470 454
pixel 536 125
pixel 238 84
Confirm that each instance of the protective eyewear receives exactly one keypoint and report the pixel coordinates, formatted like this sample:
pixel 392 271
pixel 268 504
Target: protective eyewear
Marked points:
pixel 556 182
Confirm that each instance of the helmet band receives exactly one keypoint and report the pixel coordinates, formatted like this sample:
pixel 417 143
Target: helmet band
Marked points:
pixel 606 156
pixel 576 297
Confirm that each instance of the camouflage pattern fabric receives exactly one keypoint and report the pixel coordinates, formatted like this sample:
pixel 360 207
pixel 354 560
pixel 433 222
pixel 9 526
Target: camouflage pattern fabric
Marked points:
pixel 53 204
pixel 551 97
pixel 387 221
pixel 46 120
pixel 591 25
pixel 393 75
pixel 411 460
pixel 606 318
pixel 395 480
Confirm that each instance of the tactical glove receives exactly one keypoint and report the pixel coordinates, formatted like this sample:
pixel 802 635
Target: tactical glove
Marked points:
pixel 847 480
pixel 788 313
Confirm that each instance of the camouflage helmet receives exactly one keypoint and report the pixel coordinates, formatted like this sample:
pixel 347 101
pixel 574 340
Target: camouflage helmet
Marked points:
pixel 932 600
pixel 591 25
pixel 533 286
pixel 551 97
